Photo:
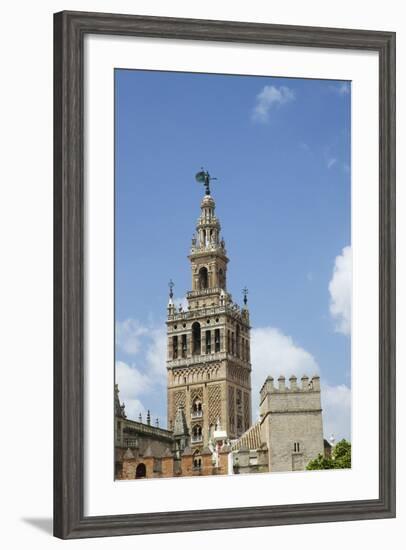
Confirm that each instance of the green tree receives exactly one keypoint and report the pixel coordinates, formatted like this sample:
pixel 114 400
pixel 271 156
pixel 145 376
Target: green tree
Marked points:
pixel 340 458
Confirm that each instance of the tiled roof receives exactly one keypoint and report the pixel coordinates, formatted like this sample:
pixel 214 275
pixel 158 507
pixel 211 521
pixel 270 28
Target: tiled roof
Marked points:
pixel 250 439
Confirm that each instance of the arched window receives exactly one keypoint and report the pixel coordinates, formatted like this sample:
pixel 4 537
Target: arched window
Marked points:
pixel 196 338
pixel 197 461
pixel 197 410
pixel 141 471
pixel 237 341
pixel 203 278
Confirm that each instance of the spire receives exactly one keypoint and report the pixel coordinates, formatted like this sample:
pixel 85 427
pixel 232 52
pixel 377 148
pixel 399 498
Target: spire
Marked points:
pixel 171 305
pixel 180 425
pixel 207 236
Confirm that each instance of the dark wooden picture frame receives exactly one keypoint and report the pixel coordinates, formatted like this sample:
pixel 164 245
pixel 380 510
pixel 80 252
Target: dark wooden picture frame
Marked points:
pixel 69 31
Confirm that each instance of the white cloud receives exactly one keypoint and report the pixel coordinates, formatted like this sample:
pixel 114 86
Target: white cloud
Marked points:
pixel 132 385
pixel 156 355
pixel 273 353
pixel 129 334
pixel 336 404
pixel 139 381
pixel 268 97
pixel 340 291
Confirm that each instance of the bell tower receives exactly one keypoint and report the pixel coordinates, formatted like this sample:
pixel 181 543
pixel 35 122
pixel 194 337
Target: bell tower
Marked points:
pixel 208 362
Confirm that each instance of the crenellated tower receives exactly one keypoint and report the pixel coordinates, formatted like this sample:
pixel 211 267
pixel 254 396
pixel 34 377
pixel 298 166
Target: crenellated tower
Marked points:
pixel 208 363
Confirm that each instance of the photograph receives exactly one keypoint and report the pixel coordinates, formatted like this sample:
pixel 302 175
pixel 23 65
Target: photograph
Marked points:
pixel 232 274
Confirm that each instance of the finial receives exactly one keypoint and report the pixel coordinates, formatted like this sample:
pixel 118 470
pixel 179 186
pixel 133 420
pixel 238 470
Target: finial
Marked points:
pixel 140 417
pixel 171 284
pixel 205 178
pixel 245 294
pixel 148 418
pixel 157 422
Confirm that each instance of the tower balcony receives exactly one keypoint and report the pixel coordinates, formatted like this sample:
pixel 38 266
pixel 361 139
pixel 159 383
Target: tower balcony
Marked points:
pixel 196 414
pixel 197 359
pixel 231 309
pixel 203 292
pixel 196 438
pixel 208 248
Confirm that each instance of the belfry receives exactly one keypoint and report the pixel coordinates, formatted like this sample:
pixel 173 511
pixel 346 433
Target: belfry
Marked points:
pixel 208 362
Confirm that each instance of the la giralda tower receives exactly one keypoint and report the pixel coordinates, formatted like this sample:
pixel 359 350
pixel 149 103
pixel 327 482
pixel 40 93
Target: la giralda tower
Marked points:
pixel 208 362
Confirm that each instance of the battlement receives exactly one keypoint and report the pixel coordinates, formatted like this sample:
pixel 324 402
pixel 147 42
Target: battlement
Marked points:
pixel 307 385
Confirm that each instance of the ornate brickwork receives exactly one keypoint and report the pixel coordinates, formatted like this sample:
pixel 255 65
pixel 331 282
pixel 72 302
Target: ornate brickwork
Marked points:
pixel 239 374
pixel 231 414
pixel 179 399
pixel 191 375
pixel 214 403
pixel 196 393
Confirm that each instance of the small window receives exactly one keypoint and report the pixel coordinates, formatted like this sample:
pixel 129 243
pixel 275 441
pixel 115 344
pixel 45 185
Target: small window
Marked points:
pixel 296 447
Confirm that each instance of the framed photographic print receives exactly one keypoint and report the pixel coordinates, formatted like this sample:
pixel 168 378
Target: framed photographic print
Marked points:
pixel 224 274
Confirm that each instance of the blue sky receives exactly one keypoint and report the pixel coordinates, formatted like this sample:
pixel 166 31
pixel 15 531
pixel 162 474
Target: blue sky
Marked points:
pixel 280 149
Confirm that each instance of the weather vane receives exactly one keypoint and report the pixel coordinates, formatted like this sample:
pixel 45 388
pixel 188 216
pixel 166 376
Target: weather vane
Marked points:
pixel 205 178
pixel 245 294
pixel 171 284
